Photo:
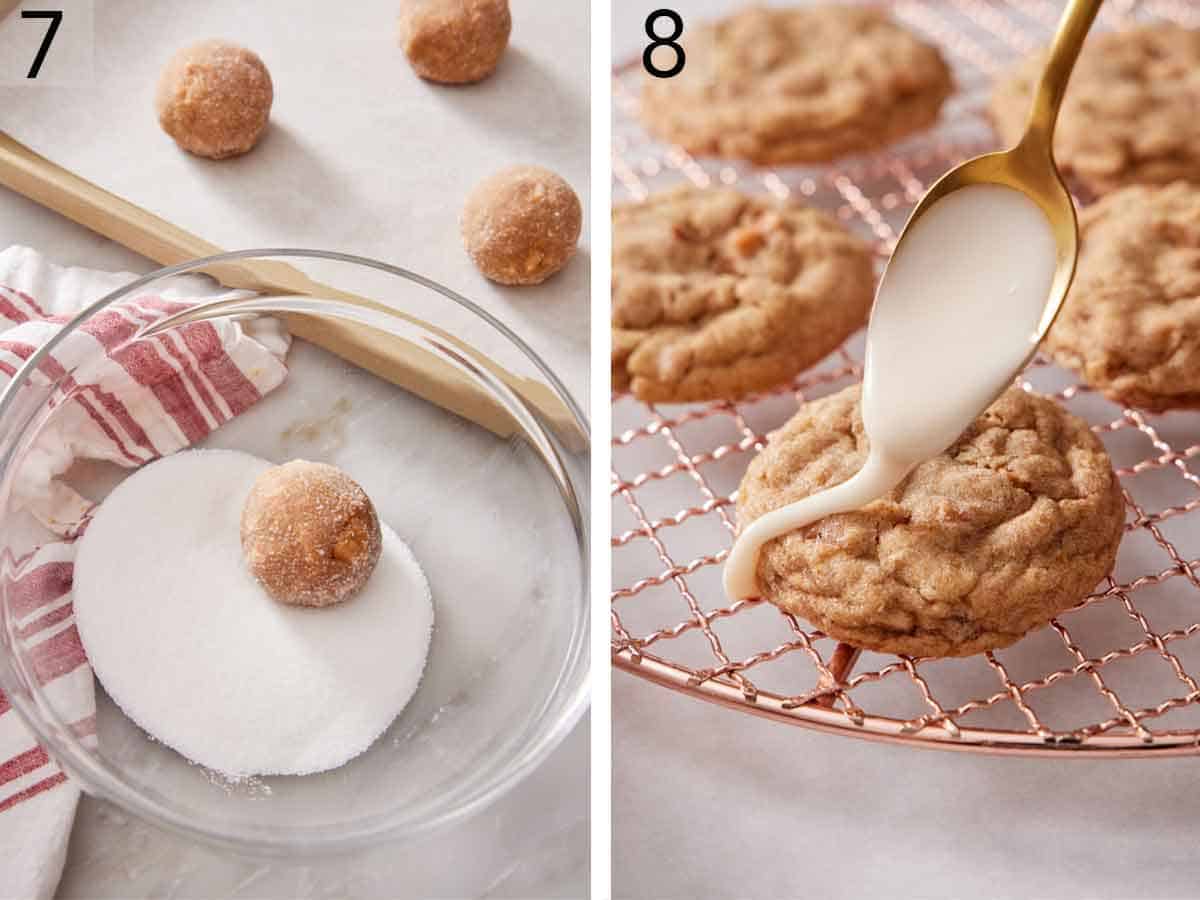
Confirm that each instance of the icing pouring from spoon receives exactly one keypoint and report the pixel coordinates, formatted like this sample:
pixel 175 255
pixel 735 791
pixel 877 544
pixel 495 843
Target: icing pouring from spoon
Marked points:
pixel 973 285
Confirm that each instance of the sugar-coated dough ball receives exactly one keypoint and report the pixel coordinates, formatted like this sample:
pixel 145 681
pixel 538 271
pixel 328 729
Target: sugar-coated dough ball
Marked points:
pixel 521 225
pixel 310 534
pixel 454 41
pixel 214 99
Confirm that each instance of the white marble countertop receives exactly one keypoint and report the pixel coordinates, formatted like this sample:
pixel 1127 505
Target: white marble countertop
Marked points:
pixel 712 803
pixel 362 157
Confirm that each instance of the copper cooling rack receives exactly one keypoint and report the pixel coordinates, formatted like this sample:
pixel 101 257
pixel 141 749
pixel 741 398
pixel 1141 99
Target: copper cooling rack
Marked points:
pixel 1112 676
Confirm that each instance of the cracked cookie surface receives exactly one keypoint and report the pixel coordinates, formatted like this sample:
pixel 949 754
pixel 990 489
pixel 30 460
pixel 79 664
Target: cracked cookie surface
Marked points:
pixel 1131 325
pixel 798 85
pixel 1130 115
pixel 1012 525
pixel 716 294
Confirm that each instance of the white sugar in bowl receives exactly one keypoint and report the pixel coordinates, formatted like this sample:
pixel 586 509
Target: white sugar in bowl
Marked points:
pixel 492 499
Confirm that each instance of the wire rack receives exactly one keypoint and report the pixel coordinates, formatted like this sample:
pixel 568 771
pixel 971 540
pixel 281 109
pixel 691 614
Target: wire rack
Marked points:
pixel 1111 677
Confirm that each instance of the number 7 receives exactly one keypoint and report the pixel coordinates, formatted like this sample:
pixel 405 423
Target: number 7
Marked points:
pixel 55 16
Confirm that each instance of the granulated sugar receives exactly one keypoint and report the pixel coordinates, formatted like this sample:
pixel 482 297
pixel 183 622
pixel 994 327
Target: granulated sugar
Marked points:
pixel 197 654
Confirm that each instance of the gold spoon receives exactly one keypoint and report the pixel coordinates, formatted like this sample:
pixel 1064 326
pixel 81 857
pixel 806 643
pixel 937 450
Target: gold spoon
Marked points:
pixel 1029 166
pixel 904 418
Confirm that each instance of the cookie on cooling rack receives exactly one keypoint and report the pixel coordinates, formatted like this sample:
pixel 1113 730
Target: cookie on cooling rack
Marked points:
pixel 716 294
pixel 1131 325
pixel 1131 114
pixel 798 85
pixel 1012 525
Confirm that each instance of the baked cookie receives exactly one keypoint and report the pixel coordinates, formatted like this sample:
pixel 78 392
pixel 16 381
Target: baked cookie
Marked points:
pixel 1131 325
pixel 798 85
pixel 716 294
pixel 1011 526
pixel 1131 114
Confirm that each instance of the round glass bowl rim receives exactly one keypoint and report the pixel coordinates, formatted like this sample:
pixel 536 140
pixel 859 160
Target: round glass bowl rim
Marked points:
pixel 549 732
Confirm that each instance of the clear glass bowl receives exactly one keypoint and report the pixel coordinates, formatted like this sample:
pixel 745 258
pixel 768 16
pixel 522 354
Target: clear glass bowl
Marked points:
pixel 497 516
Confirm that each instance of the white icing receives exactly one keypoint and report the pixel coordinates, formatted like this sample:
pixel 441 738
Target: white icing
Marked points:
pixel 955 318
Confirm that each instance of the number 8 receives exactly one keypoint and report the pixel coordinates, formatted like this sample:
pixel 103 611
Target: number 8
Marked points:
pixel 668 41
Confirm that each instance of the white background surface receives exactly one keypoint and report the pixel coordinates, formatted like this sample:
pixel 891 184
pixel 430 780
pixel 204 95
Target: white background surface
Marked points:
pixel 362 157
pixel 712 803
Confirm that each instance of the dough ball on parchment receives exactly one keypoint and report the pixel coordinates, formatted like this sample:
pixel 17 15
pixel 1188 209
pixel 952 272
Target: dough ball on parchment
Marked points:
pixel 521 225
pixel 214 98
pixel 454 41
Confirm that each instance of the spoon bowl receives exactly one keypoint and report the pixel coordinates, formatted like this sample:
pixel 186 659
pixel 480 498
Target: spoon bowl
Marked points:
pixel 1029 166
pixel 974 287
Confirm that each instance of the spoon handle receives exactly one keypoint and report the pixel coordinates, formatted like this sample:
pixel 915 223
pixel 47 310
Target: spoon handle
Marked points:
pixel 1072 29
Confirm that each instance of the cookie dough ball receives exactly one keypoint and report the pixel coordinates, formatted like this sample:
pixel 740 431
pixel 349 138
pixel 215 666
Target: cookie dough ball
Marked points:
pixel 454 41
pixel 1129 114
pixel 214 99
pixel 310 534
pixel 521 225
pixel 1015 523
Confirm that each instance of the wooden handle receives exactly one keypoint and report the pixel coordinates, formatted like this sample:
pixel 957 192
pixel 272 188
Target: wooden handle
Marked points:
pixel 1072 30
pixel 400 362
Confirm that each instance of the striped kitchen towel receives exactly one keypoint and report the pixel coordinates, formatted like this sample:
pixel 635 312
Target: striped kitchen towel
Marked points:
pixel 134 403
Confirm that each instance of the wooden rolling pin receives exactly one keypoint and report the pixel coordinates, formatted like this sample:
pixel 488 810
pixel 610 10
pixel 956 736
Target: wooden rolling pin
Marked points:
pixel 394 359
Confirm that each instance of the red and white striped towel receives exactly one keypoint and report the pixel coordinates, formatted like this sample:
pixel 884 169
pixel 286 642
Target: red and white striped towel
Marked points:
pixel 142 401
